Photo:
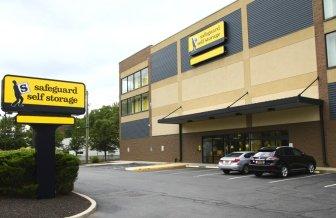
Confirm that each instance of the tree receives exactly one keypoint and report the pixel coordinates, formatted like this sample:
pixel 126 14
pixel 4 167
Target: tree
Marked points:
pixel 12 135
pixel 77 135
pixel 104 128
pixel 59 136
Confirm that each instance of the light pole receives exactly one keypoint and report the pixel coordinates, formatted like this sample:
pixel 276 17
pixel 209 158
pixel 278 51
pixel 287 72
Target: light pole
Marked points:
pixel 87 126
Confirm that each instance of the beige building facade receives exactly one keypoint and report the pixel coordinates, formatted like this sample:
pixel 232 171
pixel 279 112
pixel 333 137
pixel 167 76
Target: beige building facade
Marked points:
pixel 269 81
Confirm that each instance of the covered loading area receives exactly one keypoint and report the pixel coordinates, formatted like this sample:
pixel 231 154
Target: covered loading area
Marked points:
pixel 216 145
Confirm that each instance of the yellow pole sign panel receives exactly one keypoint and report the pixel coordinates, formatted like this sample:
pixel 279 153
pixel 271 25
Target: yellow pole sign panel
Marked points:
pixel 42 96
pixel 26 119
pixel 207 38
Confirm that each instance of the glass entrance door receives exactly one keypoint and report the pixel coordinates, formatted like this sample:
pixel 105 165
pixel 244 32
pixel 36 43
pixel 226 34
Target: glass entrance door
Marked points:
pixel 217 149
pixel 207 150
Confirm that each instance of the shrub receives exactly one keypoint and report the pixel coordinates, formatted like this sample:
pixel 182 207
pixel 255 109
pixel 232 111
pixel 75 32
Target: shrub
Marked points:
pixel 18 173
pixel 94 159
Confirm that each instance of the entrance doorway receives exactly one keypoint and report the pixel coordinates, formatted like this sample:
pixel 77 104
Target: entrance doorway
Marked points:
pixel 215 147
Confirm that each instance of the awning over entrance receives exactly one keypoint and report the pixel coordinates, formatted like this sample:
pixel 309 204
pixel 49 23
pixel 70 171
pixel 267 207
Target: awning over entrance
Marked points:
pixel 274 105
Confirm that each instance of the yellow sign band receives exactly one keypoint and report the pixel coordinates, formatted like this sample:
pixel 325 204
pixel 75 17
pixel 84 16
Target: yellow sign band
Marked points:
pixel 25 119
pixel 207 55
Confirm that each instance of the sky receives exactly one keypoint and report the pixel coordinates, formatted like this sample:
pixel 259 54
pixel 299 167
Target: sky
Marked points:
pixel 84 40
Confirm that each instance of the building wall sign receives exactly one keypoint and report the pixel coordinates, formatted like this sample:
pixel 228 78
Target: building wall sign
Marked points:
pixel 206 40
pixel 27 95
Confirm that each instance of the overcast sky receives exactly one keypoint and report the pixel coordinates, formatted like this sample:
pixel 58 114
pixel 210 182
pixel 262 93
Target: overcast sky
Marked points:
pixel 84 40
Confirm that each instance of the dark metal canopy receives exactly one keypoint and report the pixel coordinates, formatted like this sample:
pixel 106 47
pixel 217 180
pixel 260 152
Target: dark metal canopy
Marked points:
pixel 274 105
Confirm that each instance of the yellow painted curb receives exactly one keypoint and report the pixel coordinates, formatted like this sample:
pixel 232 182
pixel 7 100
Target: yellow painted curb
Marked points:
pixel 157 167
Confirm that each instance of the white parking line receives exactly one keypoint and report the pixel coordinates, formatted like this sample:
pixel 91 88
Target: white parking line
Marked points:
pixel 239 177
pixel 187 171
pixel 283 180
pixel 209 174
pixel 327 186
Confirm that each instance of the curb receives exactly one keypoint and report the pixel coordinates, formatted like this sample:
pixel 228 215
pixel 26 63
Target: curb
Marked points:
pixel 88 211
pixel 202 167
pixel 325 170
pixel 156 167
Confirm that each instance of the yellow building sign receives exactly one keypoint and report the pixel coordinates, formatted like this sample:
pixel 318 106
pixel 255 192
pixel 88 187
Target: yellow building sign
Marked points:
pixel 39 96
pixel 207 38
pixel 207 55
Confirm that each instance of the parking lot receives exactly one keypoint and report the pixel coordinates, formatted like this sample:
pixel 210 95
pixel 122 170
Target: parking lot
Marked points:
pixel 194 192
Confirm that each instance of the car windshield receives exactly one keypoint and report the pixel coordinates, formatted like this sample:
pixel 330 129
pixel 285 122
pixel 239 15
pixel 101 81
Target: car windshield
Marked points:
pixel 233 155
pixel 265 154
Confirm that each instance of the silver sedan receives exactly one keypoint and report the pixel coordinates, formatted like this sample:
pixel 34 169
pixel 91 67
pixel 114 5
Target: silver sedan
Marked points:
pixel 236 161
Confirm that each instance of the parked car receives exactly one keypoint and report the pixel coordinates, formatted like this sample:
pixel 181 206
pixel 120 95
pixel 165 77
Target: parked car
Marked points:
pixel 236 161
pixel 281 161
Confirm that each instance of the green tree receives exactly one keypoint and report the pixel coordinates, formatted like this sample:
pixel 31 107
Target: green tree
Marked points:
pixel 12 135
pixel 104 128
pixel 59 136
pixel 77 135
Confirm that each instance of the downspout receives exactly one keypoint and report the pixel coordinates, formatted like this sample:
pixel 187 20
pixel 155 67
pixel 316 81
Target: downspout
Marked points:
pixel 180 141
pixel 324 149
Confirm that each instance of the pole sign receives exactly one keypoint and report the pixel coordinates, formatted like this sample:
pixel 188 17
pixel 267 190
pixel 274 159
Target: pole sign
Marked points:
pixel 28 95
pixel 207 43
pixel 45 104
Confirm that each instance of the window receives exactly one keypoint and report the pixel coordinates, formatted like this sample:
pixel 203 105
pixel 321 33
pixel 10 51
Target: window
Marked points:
pixel 130 82
pixel 123 107
pixel 331 49
pixel 329 8
pixel 137 80
pixel 134 81
pixel 124 85
pixel 288 152
pixel 137 104
pixel 145 102
pixel 134 104
pixel 144 77
pixel 297 152
pixel 130 103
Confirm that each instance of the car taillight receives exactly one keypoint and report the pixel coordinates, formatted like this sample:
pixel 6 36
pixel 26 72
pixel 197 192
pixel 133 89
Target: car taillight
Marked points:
pixel 235 160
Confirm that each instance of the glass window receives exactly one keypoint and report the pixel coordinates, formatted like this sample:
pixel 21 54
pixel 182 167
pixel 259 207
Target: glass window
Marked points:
pixel 288 151
pixel 124 85
pixel 329 8
pixel 331 49
pixel 297 152
pixel 130 82
pixel 137 104
pixel 144 77
pixel 145 102
pixel 123 107
pixel 130 106
pixel 137 80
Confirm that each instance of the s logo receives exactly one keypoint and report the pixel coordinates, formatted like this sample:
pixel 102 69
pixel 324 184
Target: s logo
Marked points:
pixel 24 88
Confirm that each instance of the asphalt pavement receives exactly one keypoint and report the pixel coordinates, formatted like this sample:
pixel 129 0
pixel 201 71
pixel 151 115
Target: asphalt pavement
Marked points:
pixel 206 193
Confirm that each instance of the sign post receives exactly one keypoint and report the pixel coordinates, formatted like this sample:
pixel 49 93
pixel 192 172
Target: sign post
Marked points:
pixel 44 104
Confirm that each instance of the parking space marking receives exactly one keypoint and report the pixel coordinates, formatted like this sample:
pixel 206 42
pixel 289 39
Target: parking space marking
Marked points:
pixel 208 174
pixel 284 180
pixel 188 171
pixel 239 177
pixel 327 186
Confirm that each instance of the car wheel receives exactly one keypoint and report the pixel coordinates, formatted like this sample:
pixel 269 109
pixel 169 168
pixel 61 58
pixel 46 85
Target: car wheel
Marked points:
pixel 245 170
pixel 311 168
pixel 226 171
pixel 258 174
pixel 283 172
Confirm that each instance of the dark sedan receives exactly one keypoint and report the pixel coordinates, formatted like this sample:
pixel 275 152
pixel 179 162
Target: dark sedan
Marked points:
pixel 281 161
